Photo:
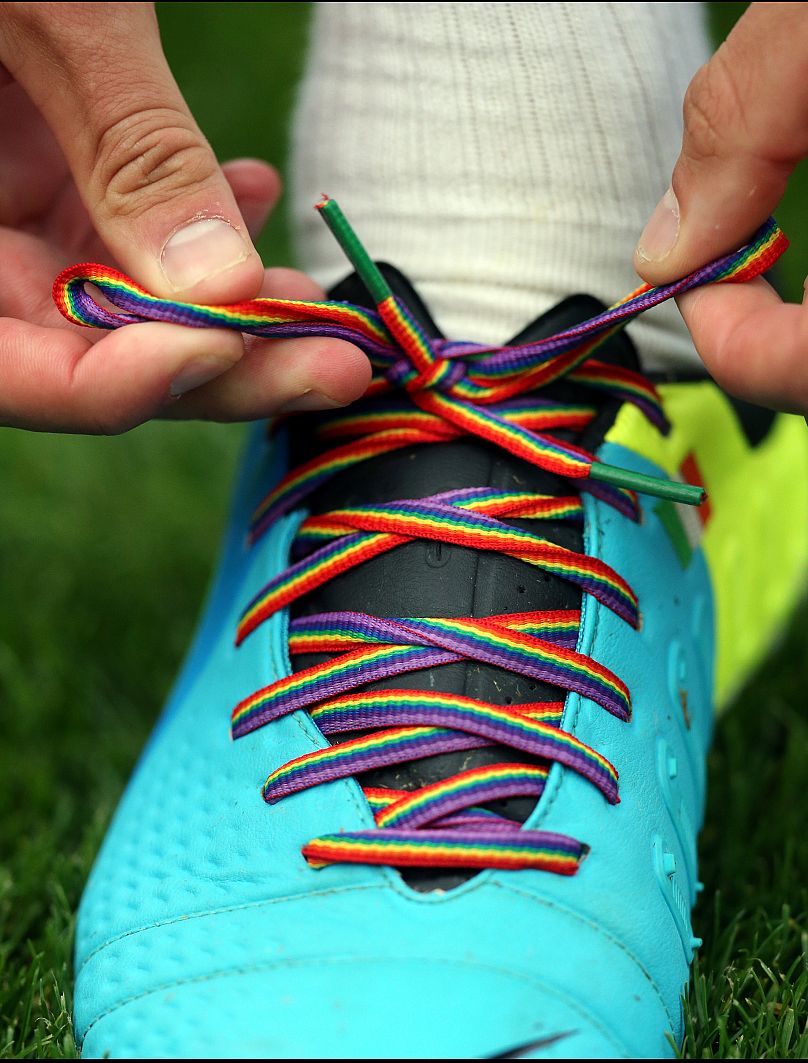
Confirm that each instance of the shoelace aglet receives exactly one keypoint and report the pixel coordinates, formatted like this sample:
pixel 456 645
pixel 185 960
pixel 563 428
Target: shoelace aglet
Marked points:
pixel 355 252
pixel 673 490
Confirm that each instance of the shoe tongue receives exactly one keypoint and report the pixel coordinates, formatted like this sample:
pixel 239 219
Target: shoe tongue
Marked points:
pixel 617 350
pixel 422 578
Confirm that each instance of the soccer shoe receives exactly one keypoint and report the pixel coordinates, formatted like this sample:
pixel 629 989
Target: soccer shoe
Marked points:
pixel 487 768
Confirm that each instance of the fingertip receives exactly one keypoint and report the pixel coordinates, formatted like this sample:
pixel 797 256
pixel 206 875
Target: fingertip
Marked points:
pixel 146 365
pixel 253 178
pixel 210 260
pixel 338 374
pixel 339 370
pixel 275 375
pixel 283 283
pixel 256 186
pixel 751 343
pixel 198 371
pixel 660 234
pixel 712 311
pixel 202 355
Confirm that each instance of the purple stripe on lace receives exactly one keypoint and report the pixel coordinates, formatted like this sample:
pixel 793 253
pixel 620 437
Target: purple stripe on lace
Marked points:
pixel 306 775
pixel 491 791
pixel 408 659
pixel 550 747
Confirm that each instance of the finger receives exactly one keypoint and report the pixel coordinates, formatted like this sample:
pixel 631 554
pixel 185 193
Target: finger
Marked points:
pixel 282 375
pixel 28 267
pixel 55 380
pixel 745 129
pixel 146 174
pixel 257 187
pixel 309 374
pixel 753 344
pixel 282 283
pixel 32 166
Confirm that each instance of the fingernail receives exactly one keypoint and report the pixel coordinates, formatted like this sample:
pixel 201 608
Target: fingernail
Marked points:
pixel 194 375
pixel 660 234
pixel 201 250
pixel 310 400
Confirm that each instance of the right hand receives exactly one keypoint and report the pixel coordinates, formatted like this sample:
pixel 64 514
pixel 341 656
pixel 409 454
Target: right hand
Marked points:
pixel 746 128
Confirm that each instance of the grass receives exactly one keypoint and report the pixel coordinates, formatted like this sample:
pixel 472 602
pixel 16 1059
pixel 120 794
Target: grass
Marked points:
pixel 105 549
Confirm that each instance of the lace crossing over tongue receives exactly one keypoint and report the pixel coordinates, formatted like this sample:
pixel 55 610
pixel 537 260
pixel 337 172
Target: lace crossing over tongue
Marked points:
pixel 426 392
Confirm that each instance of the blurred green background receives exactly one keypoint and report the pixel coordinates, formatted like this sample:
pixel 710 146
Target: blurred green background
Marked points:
pixel 105 549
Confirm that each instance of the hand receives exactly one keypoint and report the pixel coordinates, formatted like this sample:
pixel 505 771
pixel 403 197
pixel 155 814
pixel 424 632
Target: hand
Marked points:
pixel 746 128
pixel 101 160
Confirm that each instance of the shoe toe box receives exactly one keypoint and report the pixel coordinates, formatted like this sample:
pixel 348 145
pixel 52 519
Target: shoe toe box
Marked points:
pixel 372 973
pixel 344 1008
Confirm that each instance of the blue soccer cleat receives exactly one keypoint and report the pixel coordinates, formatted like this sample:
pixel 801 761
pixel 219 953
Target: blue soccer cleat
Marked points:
pixel 485 690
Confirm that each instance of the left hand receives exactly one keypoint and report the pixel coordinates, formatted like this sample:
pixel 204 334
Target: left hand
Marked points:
pixel 102 160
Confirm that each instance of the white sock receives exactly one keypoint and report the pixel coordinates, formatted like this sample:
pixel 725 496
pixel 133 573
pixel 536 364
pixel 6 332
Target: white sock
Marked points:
pixel 502 155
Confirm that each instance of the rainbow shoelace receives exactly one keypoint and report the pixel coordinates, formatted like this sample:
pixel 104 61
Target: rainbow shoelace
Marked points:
pixel 427 391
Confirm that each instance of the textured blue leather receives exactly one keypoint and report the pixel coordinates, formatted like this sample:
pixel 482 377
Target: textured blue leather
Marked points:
pixel 203 932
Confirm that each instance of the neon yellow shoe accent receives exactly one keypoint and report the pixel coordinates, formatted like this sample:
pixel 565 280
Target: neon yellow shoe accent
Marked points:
pixel 756 540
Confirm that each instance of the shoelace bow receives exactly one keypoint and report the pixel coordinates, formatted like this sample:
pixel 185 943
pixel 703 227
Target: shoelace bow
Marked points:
pixel 430 391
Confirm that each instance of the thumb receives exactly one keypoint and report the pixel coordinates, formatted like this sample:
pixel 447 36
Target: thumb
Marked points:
pixel 745 129
pixel 145 172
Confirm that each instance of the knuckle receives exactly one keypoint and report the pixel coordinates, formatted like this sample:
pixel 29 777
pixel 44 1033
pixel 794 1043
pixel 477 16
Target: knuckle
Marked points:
pixel 115 423
pixel 701 117
pixel 87 412
pixel 714 113
pixel 104 420
pixel 146 159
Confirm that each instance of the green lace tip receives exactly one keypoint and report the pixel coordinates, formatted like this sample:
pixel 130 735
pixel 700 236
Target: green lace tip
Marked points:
pixel 354 250
pixel 689 494
pixel 380 290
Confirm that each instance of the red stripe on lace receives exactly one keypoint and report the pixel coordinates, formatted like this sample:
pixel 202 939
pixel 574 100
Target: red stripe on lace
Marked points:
pixel 426 391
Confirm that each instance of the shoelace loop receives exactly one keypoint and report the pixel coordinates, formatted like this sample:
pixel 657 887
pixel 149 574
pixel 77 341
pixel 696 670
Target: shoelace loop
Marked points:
pixel 427 391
